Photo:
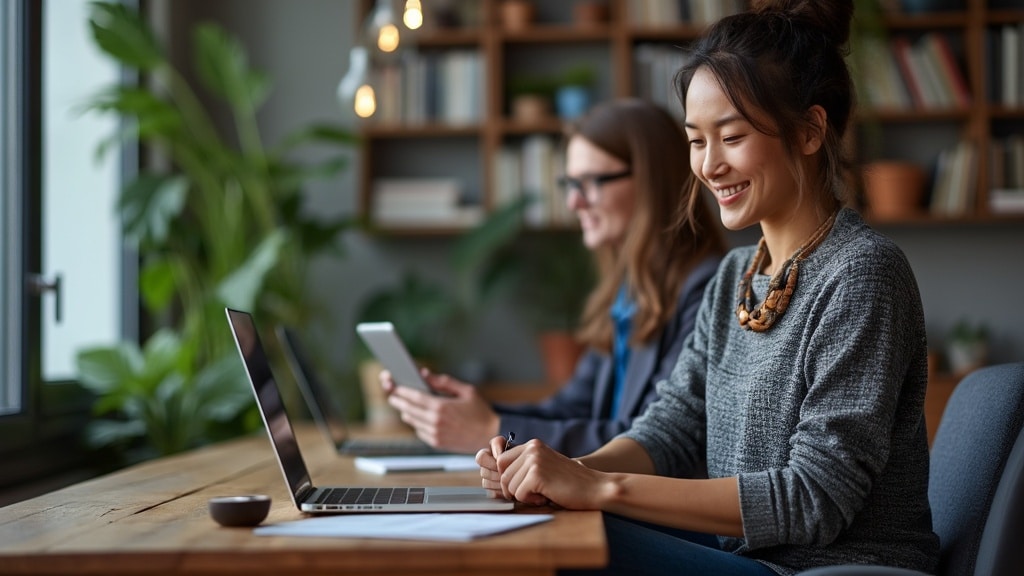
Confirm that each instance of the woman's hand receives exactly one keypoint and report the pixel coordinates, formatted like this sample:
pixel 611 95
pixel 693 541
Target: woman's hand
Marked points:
pixel 536 474
pixel 458 419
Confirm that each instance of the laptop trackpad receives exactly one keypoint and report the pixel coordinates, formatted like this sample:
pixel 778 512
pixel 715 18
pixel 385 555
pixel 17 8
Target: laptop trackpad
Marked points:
pixel 452 495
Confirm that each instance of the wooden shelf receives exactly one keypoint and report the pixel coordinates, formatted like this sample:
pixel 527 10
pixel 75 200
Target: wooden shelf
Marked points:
pixel 611 49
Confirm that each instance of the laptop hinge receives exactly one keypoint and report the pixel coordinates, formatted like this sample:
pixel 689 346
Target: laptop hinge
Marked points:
pixel 304 492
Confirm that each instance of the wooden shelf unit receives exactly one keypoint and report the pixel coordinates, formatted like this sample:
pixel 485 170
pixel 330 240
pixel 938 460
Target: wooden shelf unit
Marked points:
pixel 616 42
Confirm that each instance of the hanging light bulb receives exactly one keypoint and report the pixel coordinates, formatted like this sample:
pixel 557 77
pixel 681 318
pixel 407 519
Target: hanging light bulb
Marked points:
pixel 382 27
pixel 413 15
pixel 355 91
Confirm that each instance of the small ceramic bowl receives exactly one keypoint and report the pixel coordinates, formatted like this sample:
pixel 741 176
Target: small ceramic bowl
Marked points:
pixel 239 510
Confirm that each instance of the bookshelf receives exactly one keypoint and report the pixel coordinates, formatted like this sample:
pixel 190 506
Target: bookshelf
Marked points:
pixel 631 51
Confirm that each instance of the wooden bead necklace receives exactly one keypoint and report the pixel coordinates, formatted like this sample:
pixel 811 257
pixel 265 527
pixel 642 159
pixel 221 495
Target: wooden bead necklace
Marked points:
pixel 776 300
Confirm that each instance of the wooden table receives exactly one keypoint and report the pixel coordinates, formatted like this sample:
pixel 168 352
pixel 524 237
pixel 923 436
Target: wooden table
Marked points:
pixel 152 519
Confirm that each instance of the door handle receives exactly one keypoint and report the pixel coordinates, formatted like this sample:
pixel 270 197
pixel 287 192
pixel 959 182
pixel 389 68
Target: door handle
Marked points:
pixel 39 285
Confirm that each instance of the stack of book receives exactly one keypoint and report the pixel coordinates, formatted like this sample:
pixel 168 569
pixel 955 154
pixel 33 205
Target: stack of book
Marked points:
pixel 655 68
pixel 532 168
pixel 904 75
pixel 445 88
pixel 672 12
pixel 1005 67
pixel 1006 175
pixel 955 181
pixel 422 203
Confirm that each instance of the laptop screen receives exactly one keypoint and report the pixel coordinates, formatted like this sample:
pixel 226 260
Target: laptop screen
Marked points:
pixel 268 397
pixel 320 402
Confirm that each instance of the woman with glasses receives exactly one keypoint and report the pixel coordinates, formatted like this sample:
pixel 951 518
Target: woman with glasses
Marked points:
pixel 624 182
pixel 791 432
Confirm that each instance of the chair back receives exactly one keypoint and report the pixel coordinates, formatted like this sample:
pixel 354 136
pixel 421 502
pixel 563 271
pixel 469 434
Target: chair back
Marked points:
pixel 977 474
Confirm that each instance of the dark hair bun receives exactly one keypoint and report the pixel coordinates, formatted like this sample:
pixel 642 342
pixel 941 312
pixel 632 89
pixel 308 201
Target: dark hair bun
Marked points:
pixel 833 17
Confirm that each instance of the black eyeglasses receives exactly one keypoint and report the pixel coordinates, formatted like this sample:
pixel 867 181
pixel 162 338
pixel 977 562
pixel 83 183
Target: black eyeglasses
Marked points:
pixel 589 185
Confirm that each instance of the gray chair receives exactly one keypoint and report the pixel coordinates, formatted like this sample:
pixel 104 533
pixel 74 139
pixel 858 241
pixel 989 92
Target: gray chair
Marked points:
pixel 976 487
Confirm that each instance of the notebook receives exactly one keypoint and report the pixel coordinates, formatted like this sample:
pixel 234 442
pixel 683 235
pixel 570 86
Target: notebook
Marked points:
pixel 335 499
pixel 326 412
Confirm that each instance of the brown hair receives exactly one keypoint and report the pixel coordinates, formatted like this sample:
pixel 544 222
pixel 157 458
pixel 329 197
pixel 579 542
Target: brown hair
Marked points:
pixel 664 240
pixel 775 62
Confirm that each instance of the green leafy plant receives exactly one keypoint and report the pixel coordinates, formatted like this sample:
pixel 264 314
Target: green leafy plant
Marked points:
pixel 221 226
pixel 548 274
pixel 583 76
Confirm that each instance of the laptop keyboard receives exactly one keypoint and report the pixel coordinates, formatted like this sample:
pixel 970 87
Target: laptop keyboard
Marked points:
pixel 372 496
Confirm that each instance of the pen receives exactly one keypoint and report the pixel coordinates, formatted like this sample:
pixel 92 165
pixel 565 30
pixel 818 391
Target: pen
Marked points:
pixel 509 441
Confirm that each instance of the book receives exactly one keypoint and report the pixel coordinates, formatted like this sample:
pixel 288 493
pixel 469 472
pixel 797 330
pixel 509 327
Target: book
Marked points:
pixel 953 77
pixel 903 52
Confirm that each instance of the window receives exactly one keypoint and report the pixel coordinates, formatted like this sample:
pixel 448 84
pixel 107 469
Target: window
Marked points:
pixel 57 220
pixel 11 185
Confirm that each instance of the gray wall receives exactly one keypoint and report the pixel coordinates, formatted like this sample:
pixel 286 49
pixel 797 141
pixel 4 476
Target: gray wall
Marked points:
pixel 970 271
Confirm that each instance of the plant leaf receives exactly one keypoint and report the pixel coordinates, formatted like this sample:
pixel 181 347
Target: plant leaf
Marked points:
pixel 156 283
pixel 222 389
pixel 496 231
pixel 224 69
pixel 319 133
pixel 121 33
pixel 149 204
pixel 104 432
pixel 102 370
pixel 240 289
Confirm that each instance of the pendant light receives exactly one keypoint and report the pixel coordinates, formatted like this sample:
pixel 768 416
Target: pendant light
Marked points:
pixel 379 42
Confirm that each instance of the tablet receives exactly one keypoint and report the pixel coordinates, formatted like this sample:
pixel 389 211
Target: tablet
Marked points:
pixel 387 347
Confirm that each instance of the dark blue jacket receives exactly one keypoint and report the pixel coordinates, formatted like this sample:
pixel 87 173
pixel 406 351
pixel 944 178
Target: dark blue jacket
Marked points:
pixel 575 420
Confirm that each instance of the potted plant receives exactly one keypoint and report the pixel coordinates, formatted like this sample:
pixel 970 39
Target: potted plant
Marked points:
pixel 530 97
pixel 220 226
pixel 967 347
pixel 548 275
pixel 572 97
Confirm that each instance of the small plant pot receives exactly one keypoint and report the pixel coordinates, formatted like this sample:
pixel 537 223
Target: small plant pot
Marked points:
pixel 572 101
pixel 517 14
pixel 590 13
pixel 894 190
pixel 530 108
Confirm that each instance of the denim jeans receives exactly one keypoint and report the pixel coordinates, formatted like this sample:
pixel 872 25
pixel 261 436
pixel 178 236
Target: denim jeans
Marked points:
pixel 640 548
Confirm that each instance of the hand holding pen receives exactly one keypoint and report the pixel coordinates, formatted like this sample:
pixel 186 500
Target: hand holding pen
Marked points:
pixel 487 458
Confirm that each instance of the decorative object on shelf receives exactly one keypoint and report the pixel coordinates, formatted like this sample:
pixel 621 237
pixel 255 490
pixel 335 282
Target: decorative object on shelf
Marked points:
pixel 572 97
pixel 967 347
pixel 894 189
pixel 590 13
pixel 531 98
pixel 517 15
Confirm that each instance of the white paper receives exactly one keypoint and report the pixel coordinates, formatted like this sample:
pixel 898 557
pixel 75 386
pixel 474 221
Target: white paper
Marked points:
pixel 440 526
pixel 438 462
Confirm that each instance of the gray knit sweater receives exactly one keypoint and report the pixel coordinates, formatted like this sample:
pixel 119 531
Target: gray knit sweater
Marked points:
pixel 820 417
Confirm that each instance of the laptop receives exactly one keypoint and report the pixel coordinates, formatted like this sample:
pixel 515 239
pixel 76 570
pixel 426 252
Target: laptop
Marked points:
pixel 327 415
pixel 335 499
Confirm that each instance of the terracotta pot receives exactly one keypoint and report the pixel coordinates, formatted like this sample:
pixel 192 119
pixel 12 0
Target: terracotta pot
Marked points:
pixel 517 14
pixel 531 108
pixel 590 13
pixel 560 352
pixel 893 190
